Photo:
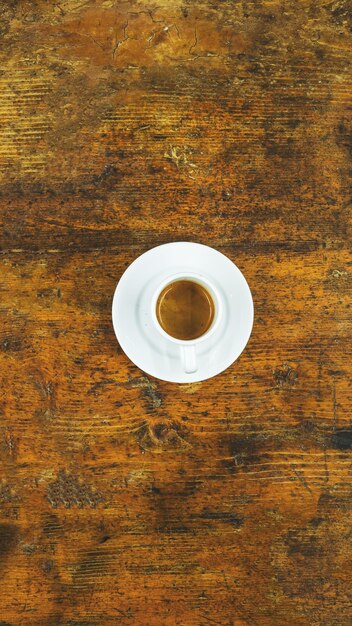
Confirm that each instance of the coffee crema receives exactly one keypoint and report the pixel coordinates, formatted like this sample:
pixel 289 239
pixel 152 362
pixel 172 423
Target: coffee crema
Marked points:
pixel 185 309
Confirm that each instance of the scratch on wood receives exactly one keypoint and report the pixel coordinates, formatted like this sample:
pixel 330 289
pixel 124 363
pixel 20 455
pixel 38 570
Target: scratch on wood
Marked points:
pixel 119 42
pixel 301 478
pixel 195 41
pixel 334 404
pixel 326 466
pixel 320 371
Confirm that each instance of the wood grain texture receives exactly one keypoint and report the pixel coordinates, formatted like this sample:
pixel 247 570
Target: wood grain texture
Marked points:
pixel 124 499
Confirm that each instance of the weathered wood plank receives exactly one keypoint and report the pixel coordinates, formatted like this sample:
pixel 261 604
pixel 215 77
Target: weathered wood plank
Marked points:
pixel 125 499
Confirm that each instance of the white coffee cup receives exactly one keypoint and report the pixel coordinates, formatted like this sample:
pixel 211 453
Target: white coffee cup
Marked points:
pixel 188 352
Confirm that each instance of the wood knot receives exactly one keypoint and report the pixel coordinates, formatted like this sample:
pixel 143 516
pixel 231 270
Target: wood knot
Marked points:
pixel 285 376
pixel 162 436
pixel 161 431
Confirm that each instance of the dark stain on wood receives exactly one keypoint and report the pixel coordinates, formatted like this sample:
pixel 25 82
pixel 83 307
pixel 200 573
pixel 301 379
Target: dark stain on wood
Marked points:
pixel 225 517
pixel 342 439
pixel 303 543
pixel 9 536
pixel 12 344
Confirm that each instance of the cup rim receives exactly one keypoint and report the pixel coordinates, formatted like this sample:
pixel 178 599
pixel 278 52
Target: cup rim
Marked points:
pixel 201 279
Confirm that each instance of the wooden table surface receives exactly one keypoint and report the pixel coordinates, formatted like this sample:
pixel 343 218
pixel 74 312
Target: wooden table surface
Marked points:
pixel 124 499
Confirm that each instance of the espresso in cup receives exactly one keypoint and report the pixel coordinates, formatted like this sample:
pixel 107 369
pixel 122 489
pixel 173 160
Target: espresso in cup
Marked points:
pixel 185 309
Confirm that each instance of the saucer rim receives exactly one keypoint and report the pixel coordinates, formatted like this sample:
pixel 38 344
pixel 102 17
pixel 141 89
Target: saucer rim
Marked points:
pixel 188 378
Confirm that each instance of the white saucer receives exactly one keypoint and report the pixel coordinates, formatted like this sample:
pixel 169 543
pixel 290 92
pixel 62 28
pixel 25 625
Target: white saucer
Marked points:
pixel 134 327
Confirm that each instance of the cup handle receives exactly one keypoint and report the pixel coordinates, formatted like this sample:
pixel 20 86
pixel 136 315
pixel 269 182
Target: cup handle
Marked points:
pixel 189 359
